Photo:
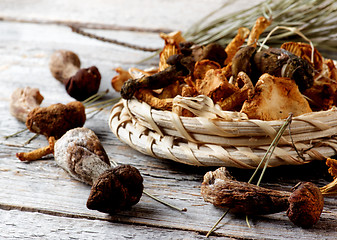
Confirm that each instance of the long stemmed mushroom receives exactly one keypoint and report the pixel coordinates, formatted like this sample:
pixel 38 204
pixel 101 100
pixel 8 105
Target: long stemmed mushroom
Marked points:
pixel 80 153
pixel 304 204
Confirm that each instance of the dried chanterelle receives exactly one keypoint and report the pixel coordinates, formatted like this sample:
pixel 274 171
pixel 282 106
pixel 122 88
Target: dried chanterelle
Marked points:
pixel 304 205
pixel 80 83
pixel 81 154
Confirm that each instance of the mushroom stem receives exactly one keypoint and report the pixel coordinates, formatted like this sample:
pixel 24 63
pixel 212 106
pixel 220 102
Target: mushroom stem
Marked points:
pixel 222 190
pixel 304 204
pixel 80 153
pixel 38 153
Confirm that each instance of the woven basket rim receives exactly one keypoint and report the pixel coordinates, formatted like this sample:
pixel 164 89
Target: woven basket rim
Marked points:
pixel 238 142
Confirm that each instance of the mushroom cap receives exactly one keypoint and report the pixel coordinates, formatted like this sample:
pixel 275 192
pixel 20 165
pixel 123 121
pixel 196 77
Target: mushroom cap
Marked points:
pixel 84 83
pixel 117 188
pixel 305 204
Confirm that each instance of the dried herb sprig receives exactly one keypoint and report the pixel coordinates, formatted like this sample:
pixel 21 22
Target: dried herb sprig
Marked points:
pixel 269 152
pixel 316 19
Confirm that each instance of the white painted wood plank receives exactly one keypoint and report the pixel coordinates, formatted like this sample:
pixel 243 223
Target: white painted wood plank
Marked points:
pixel 43 187
pixel 33 225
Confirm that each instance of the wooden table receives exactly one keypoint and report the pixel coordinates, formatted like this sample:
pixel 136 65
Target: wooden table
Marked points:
pixel 39 200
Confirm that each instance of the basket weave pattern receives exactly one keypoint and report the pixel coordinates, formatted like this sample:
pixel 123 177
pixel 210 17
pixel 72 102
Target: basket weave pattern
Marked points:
pixel 219 138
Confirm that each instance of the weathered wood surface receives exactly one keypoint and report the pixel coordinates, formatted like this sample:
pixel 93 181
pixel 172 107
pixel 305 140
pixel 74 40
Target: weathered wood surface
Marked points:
pixel 39 200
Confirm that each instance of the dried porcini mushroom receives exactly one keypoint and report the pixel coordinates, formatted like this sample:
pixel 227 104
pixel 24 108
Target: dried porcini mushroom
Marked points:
pixel 274 61
pixel 84 83
pixel 304 50
pixel 117 188
pixel 80 153
pixel 24 100
pixel 281 63
pixel 242 61
pixel 56 119
pixel 214 52
pixel 79 83
pixel 304 205
pixel 220 189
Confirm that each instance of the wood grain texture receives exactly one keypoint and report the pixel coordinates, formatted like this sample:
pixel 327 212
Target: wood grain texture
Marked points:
pixel 39 200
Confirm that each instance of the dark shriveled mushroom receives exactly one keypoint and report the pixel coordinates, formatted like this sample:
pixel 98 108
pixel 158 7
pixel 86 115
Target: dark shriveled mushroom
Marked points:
pixel 275 61
pixel 304 205
pixel 117 188
pixel 80 153
pixel 79 83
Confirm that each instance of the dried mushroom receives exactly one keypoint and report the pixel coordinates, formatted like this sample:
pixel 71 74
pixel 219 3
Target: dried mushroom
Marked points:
pixel 24 100
pixel 274 99
pixel 64 64
pixel 56 119
pixel 79 83
pixel 118 80
pixel 84 83
pixel 80 153
pixel 189 70
pixel 304 205
pixel 236 99
pixel 215 85
pixel 281 63
pixel 274 61
pixel 178 68
pixel 37 153
pixel 304 50
pixel 117 188
pixel 322 95
pixel 236 43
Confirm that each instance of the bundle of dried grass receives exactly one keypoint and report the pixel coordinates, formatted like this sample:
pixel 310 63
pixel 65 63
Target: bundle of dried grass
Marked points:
pixel 316 19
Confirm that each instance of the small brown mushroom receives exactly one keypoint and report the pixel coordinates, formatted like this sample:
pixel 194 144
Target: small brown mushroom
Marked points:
pixel 80 153
pixel 79 83
pixel 117 188
pixel 304 205
pixel 56 119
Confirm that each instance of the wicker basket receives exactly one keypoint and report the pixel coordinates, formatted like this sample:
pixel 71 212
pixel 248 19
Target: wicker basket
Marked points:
pixel 219 138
